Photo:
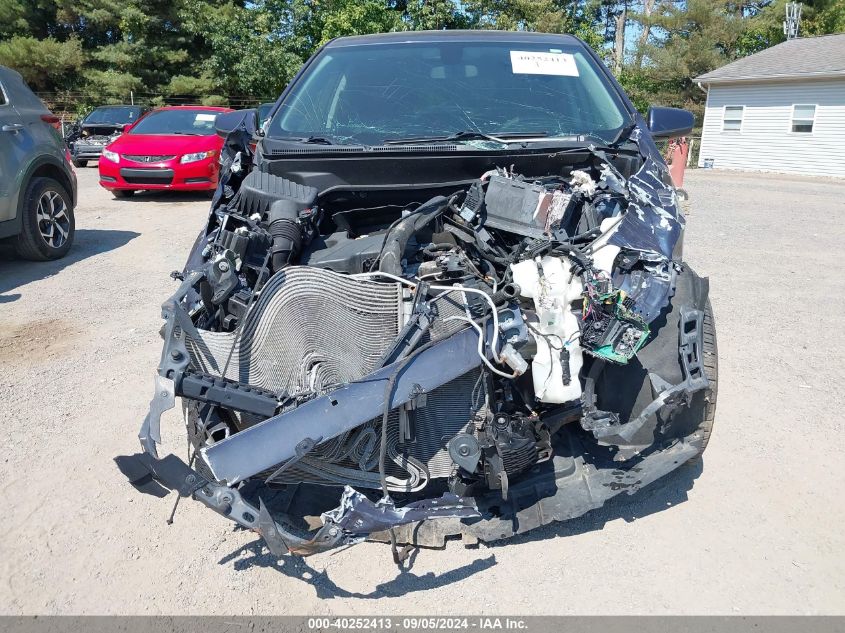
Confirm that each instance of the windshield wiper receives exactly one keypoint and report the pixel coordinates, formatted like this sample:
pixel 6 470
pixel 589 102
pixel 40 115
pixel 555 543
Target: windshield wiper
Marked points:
pixel 315 140
pixel 186 133
pixel 466 135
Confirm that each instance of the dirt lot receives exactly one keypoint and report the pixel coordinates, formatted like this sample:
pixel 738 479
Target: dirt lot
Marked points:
pixel 757 528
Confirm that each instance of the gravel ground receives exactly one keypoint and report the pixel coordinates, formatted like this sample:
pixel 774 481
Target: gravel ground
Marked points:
pixel 754 529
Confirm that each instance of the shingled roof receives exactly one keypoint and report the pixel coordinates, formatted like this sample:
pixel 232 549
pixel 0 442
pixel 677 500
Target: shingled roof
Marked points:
pixel 805 57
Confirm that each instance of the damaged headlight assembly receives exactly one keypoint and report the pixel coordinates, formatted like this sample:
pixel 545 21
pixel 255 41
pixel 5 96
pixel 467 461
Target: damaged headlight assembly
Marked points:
pixel 465 356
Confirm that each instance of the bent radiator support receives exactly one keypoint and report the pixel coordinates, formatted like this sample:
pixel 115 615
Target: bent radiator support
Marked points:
pixel 286 435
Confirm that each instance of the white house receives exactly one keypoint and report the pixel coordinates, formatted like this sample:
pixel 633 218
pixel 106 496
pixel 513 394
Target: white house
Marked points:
pixel 781 110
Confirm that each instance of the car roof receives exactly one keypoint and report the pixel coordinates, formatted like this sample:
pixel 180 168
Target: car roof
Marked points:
pixel 8 73
pixel 118 105
pixel 416 37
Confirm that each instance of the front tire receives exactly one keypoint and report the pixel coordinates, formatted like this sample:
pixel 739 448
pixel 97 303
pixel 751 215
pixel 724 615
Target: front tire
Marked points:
pixel 123 193
pixel 80 163
pixel 47 224
pixel 707 408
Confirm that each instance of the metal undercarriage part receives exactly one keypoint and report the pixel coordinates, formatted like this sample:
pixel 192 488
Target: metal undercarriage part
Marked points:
pixel 491 358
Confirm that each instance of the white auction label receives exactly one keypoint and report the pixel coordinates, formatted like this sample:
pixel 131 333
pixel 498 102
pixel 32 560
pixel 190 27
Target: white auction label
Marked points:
pixel 539 63
pixel 206 117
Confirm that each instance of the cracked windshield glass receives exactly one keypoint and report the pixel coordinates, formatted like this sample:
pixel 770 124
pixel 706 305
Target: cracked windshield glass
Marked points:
pixel 450 91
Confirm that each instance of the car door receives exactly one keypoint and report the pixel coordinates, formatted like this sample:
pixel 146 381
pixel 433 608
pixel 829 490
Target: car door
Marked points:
pixel 11 126
pixel 24 136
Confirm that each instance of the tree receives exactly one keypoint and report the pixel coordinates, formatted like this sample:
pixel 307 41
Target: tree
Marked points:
pixel 104 47
pixel 645 21
pixel 45 64
pixel 423 15
pixel 619 37
pixel 213 49
pixel 764 26
pixel 549 16
pixel 697 36
pixel 360 17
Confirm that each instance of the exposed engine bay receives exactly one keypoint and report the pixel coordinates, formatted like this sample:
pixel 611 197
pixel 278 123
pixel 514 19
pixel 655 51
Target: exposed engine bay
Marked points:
pixel 86 141
pixel 505 353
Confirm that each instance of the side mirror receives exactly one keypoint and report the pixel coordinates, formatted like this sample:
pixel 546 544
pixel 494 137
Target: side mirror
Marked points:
pixel 669 122
pixel 228 121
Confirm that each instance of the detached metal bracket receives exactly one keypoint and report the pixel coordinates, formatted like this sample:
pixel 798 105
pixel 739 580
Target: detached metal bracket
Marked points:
pixel 174 360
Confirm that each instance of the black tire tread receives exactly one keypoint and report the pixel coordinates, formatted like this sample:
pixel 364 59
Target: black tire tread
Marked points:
pixel 711 369
pixel 29 244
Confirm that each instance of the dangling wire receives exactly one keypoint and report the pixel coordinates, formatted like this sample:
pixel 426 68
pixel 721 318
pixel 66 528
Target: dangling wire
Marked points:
pixel 398 557
pixel 178 496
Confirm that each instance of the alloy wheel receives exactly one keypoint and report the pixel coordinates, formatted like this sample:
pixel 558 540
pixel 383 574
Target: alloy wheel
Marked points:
pixel 53 220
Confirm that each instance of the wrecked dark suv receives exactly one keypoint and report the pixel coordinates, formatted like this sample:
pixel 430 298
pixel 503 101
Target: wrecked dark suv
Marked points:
pixel 441 292
pixel 87 138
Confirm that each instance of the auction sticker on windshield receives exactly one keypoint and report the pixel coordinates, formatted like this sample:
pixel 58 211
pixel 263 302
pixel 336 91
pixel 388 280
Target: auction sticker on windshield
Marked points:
pixel 540 63
pixel 206 117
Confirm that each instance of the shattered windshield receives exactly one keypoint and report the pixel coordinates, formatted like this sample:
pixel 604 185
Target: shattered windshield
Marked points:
pixel 370 94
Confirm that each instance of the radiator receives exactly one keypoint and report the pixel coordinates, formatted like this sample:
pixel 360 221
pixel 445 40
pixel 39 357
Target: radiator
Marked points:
pixel 313 328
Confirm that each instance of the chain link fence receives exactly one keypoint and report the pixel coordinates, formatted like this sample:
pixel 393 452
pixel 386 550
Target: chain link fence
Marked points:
pixel 72 106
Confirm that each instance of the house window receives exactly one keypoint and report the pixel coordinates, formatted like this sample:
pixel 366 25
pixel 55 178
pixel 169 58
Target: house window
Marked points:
pixel 803 117
pixel 732 118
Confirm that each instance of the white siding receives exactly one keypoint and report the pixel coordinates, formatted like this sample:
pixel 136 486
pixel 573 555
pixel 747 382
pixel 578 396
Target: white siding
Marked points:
pixel 766 142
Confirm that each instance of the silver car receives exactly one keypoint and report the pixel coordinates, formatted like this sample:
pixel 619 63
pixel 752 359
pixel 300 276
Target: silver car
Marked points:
pixel 37 181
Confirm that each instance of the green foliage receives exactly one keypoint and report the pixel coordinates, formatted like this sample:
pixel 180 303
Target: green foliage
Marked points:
pixel 693 38
pixel 641 88
pixel 765 27
pixel 547 16
pixel 826 16
pixel 112 84
pixel 248 51
pixel 219 51
pixel 358 17
pixel 190 85
pixel 433 15
pixel 12 18
pixel 214 100
pixel 45 64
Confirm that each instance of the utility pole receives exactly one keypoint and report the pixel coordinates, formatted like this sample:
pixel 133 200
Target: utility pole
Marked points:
pixel 793 20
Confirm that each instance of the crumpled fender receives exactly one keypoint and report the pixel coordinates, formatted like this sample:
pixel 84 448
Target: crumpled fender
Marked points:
pixel 631 406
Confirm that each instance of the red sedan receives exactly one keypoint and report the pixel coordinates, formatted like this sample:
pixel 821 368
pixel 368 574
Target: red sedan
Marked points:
pixel 170 148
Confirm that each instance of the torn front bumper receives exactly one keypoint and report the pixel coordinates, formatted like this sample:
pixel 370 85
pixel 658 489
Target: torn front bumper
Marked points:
pixel 566 487
pixel 351 522
pixel 580 477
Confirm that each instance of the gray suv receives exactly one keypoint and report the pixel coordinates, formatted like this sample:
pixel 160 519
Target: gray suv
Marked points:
pixel 37 181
